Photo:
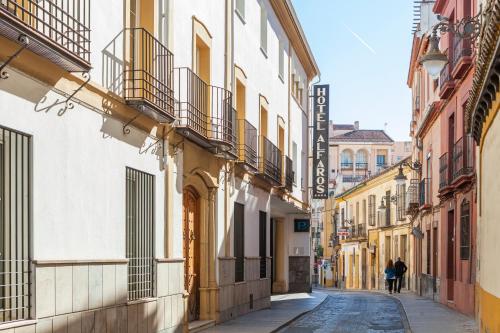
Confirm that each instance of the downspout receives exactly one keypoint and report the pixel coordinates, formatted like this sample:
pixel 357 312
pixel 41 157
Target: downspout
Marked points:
pixel 228 85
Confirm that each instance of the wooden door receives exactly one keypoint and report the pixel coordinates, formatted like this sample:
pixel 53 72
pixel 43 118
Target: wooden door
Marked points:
pixel 191 238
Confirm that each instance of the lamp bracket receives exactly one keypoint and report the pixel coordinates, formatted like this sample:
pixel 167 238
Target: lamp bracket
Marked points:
pixel 68 104
pixel 24 40
pixel 466 28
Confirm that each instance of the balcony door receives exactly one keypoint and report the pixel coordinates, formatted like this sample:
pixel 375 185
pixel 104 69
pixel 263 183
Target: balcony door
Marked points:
pixel 450 265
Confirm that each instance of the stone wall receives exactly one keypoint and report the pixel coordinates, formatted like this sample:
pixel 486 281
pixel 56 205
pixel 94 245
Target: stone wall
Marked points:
pixel 91 297
pixel 238 298
pixel 299 274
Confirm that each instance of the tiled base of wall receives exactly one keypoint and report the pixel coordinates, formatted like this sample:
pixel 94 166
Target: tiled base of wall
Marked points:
pixel 92 298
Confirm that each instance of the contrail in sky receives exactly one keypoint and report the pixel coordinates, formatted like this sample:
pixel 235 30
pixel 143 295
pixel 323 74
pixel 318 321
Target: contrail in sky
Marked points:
pixel 358 37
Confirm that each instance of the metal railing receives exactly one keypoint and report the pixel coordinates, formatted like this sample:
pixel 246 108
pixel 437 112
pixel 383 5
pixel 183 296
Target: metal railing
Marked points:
pixel 191 101
pixel 62 26
pixel 353 178
pixel 247 143
pixel 148 80
pixel 444 170
pixel 346 165
pixel 462 48
pixel 222 117
pixel 204 109
pixel 270 160
pixel 425 192
pixel 361 231
pixel 412 197
pixel 139 233
pixel 463 160
pixel 288 181
pixel 15 226
pixel 361 165
pixel 444 76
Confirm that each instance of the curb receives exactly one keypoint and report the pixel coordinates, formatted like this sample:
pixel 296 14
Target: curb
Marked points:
pixel 297 317
pixel 402 311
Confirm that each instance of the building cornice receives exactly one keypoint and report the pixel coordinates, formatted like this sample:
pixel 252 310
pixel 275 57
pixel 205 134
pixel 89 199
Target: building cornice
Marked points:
pixel 482 92
pixel 290 22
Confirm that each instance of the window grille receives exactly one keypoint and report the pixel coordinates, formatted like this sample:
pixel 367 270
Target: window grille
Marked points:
pixel 465 230
pixel 140 195
pixel 15 196
pixel 372 210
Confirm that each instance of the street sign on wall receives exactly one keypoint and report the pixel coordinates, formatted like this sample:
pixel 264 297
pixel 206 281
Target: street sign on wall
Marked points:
pixel 321 95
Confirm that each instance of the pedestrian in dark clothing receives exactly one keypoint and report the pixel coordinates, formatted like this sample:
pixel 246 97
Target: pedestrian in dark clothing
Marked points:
pixel 390 274
pixel 400 272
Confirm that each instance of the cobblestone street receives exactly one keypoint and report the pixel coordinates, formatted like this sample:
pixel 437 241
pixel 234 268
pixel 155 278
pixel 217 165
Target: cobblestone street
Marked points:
pixel 352 312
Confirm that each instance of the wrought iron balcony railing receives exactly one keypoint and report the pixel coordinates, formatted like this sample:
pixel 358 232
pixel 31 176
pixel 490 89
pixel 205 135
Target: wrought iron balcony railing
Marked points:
pixel 353 178
pixel 148 81
pixel 270 161
pixel 288 181
pixel 205 112
pixel 361 165
pixel 462 56
pixel 444 171
pixel 346 165
pixel 247 144
pixel 425 193
pixel 463 160
pixel 54 29
pixel 446 82
pixel 412 197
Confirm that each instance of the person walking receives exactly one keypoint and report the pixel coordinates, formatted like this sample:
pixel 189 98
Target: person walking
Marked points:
pixel 400 272
pixel 390 274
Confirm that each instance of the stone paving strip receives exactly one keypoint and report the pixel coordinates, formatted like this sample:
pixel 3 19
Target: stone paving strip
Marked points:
pixel 283 310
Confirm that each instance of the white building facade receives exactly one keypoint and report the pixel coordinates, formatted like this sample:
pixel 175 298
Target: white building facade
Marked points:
pixel 153 162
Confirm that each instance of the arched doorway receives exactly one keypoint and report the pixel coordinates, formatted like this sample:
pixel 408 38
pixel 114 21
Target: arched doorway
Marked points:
pixel 191 244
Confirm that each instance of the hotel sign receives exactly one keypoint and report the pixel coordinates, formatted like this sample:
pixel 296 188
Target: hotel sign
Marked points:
pixel 320 141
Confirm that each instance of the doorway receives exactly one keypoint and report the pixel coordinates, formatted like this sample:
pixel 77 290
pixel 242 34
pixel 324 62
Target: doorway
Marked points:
pixel 363 269
pixel 191 244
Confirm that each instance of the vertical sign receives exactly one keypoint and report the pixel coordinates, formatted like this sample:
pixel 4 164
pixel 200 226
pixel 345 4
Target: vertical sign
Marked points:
pixel 320 141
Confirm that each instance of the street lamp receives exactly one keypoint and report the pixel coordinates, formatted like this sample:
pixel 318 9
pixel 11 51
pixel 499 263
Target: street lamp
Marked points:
pixel 467 28
pixel 400 178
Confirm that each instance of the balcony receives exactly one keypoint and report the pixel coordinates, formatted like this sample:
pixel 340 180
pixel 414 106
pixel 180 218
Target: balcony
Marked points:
pixel 288 181
pixel 205 113
pixel 247 144
pixel 446 83
pixel 148 75
pixel 269 162
pixel 353 178
pixel 462 57
pixel 463 158
pixel 346 165
pixel 361 231
pixel 412 198
pixel 444 171
pixel 425 194
pixel 56 30
pixel 361 166
pixel 416 104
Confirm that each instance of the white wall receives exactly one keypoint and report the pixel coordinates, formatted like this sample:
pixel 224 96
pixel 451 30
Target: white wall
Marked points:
pixel 78 176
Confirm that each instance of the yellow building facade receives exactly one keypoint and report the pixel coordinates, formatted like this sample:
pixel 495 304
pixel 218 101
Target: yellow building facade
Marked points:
pixel 484 124
pixel 372 228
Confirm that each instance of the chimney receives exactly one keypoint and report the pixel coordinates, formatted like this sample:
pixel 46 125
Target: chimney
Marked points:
pixel 356 125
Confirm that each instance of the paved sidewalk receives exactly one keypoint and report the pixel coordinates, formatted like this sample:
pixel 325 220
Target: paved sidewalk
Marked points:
pixel 284 308
pixel 428 316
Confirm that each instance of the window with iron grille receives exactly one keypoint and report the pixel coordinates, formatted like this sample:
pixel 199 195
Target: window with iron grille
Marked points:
pixel 140 197
pixel 401 201
pixel 15 225
pixel 388 208
pixel 372 210
pixel 465 230
pixel 239 242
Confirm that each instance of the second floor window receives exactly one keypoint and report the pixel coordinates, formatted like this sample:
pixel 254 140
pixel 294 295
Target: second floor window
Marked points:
pixel 263 28
pixel 140 195
pixel 381 160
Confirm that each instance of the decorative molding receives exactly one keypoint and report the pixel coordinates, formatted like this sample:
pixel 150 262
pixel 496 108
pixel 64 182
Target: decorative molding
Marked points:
pixel 80 262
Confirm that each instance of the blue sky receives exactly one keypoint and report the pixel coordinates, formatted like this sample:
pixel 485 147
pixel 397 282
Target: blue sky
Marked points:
pixel 363 50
